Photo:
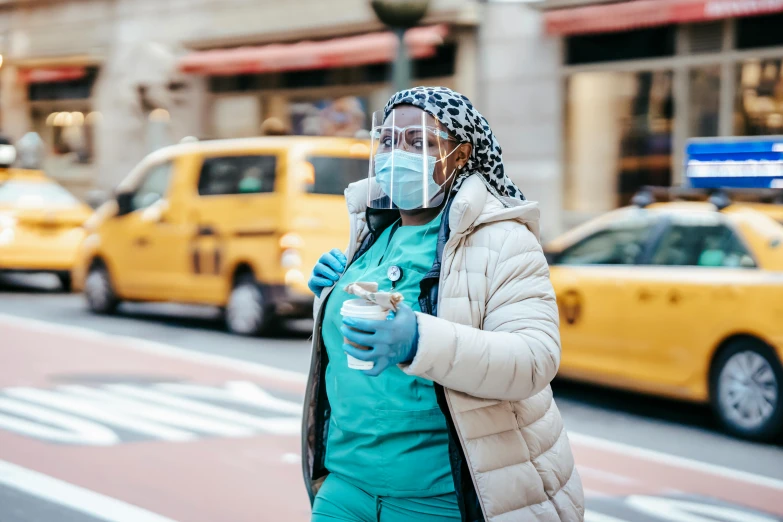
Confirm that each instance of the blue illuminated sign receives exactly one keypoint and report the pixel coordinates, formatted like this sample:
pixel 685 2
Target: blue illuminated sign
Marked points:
pixel 752 163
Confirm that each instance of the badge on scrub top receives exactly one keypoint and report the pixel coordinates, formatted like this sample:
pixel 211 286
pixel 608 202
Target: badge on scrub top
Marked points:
pixel 394 274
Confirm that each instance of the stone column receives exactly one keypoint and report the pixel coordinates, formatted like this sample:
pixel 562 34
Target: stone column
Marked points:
pixel 593 136
pixel 14 106
pixel 520 93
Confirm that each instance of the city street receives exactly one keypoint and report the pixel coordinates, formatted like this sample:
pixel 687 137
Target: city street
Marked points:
pixel 158 414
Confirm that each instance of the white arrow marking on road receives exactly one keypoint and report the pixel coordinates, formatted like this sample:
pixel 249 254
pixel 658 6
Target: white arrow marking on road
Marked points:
pixel 164 415
pixel 58 427
pixel 85 408
pixel 160 397
pixel 73 497
pixel 291 458
pixel 238 392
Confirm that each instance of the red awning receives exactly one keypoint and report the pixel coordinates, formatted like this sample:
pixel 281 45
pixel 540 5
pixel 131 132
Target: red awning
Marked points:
pixel 51 74
pixel 647 13
pixel 340 52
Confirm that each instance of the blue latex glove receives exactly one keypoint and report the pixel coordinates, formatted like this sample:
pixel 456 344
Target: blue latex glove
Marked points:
pixel 327 271
pixel 391 342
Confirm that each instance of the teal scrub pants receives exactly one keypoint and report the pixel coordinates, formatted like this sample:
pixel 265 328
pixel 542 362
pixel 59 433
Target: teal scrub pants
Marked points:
pixel 341 500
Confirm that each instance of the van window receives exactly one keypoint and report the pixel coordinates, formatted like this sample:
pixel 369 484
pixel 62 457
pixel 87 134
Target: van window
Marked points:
pixel 237 175
pixel 153 186
pixel 334 174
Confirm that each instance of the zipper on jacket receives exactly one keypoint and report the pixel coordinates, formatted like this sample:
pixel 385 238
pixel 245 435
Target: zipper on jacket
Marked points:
pixel 451 409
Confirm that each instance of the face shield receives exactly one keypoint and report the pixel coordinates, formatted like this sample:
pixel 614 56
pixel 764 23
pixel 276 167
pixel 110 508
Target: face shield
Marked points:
pixel 408 162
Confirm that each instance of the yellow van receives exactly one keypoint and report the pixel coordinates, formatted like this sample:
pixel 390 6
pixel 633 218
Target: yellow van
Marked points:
pixel 237 224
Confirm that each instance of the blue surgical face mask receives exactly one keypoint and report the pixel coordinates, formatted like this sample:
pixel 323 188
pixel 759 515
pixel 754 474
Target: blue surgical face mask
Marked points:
pixel 407 191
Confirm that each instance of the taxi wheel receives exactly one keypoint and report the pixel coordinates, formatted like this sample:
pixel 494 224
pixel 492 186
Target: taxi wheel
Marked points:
pixel 99 291
pixel 747 390
pixel 247 312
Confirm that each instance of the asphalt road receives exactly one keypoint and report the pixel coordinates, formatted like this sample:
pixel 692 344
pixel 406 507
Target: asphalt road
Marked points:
pixel 600 420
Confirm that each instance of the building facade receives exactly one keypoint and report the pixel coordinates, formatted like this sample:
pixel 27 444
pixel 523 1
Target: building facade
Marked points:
pixel 640 78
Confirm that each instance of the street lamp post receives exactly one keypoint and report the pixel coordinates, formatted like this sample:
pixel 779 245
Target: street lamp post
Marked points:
pixel 399 16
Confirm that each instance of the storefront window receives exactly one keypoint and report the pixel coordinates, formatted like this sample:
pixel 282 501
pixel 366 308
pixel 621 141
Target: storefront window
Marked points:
pixel 704 101
pixel 236 116
pixel 345 116
pixel 62 113
pixel 759 105
pixel 618 137
pixel 69 134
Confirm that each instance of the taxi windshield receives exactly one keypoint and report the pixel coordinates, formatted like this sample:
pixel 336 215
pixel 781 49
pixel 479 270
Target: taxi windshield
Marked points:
pixel 35 194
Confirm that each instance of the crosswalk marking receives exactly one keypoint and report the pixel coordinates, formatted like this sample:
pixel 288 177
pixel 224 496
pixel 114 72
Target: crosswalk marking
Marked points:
pixel 90 415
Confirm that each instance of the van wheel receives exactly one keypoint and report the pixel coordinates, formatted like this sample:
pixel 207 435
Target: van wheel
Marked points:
pixel 66 283
pixel 247 312
pixel 747 390
pixel 99 292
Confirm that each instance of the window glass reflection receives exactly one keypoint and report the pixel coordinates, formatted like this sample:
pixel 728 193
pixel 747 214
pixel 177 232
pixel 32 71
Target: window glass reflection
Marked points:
pixel 759 105
pixel 619 138
pixel 704 101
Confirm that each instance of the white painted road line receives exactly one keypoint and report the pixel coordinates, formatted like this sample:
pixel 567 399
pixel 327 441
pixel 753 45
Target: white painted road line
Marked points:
pixel 73 497
pixel 156 348
pixel 606 476
pixel 673 460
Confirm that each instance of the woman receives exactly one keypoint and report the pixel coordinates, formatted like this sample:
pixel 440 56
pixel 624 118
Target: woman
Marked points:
pixel 455 421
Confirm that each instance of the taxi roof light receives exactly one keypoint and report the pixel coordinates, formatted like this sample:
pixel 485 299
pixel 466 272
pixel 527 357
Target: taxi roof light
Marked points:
pixel 720 199
pixel 754 162
pixel 643 198
pixel 647 196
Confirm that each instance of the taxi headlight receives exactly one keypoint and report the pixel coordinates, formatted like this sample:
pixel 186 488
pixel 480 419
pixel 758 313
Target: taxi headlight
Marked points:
pixel 291 240
pixel 7 155
pixel 7 221
pixel 290 259
pixel 7 236
pixel 293 277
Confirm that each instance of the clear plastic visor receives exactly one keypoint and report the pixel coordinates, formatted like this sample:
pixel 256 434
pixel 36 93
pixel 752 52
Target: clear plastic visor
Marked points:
pixel 408 161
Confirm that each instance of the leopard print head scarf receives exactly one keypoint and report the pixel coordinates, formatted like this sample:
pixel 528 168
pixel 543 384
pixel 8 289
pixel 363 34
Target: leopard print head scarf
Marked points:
pixel 457 114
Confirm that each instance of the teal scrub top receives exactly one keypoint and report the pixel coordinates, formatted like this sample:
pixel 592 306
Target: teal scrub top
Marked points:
pixel 387 434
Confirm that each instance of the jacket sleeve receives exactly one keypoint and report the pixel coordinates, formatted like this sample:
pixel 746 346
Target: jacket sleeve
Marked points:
pixel 517 353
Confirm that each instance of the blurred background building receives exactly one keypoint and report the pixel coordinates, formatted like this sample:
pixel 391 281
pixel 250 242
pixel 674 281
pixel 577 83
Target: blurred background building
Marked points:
pixel 643 76
pixel 589 99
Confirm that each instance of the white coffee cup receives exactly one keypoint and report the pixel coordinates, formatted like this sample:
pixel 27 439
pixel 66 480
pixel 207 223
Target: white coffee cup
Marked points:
pixel 362 309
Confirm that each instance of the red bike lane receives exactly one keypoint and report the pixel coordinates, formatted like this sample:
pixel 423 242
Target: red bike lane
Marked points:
pixel 195 438
pixel 241 466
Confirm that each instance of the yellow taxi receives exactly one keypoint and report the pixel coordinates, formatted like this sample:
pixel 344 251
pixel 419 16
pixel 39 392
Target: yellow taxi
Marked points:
pixel 40 225
pixel 679 299
pixel 773 210
pixel 237 224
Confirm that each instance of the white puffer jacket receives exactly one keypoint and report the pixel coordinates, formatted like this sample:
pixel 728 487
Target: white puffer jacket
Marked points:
pixel 495 347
